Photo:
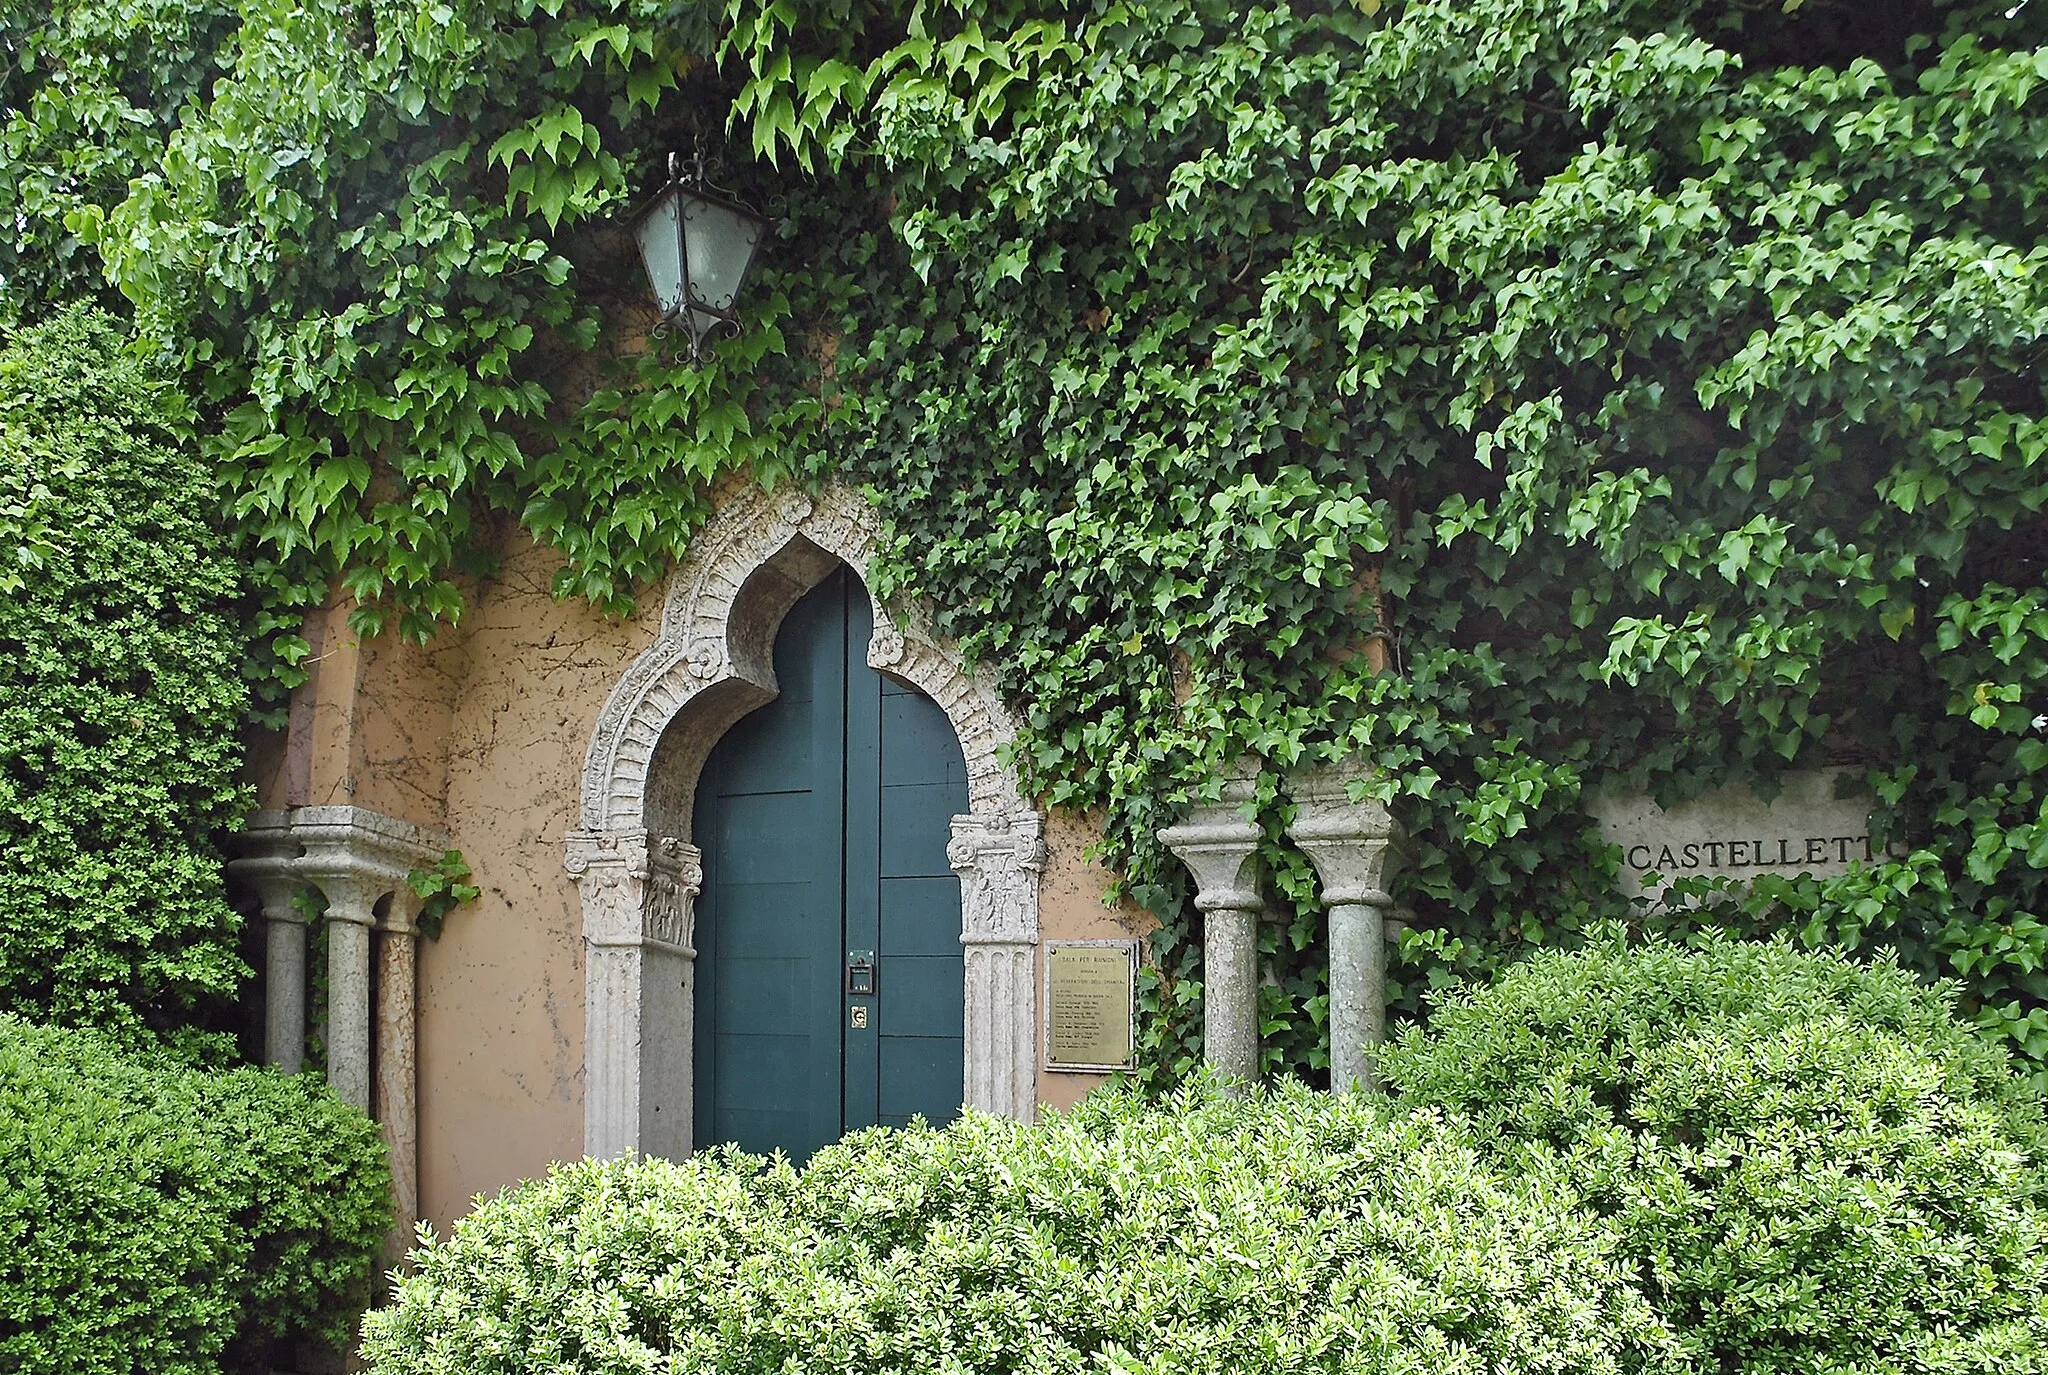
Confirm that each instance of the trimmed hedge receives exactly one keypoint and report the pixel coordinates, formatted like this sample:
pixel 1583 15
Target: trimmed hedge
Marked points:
pixel 121 694
pixel 1287 1232
pixel 1812 1166
pixel 1736 1158
pixel 161 1220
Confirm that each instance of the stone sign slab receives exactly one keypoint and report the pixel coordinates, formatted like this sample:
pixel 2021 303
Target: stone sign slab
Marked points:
pixel 1090 1001
pixel 1735 834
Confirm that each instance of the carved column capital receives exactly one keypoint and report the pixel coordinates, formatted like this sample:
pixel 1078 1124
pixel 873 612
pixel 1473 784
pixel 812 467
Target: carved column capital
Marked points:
pixel 1220 848
pixel 998 855
pixel 637 888
pixel 1354 846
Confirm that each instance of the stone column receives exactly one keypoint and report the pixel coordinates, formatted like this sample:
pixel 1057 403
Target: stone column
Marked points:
pixel 356 858
pixel 1353 846
pixel 351 912
pixel 998 855
pixel 397 1061
pixel 639 913
pixel 1220 848
pixel 284 987
pixel 265 864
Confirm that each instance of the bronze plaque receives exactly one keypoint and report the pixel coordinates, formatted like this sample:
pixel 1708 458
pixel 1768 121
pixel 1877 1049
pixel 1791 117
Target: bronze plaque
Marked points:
pixel 1089 999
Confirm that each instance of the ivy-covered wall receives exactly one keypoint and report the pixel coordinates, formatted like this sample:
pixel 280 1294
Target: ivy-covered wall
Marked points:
pixel 1652 385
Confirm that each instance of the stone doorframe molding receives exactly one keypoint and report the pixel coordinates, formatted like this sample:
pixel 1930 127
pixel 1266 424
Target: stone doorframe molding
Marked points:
pixel 357 859
pixel 638 874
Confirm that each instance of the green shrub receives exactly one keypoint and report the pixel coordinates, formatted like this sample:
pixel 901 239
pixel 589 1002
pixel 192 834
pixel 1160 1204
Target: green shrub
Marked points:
pixel 161 1219
pixel 1288 1232
pixel 121 695
pixel 1813 1166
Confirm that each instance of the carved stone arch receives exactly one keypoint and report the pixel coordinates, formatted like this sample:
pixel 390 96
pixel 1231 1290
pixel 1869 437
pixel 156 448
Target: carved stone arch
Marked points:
pixel 639 873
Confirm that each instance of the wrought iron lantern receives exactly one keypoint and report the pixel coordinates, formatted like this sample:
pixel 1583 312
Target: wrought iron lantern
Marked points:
pixel 696 246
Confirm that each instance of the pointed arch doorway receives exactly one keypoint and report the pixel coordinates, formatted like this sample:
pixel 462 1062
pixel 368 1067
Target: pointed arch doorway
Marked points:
pixel 635 857
pixel 828 959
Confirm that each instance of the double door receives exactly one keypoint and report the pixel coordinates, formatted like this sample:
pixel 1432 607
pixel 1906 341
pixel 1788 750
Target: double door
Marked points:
pixel 829 968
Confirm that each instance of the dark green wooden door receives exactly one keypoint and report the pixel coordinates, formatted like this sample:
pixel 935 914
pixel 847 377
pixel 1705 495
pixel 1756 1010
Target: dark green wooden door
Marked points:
pixel 823 818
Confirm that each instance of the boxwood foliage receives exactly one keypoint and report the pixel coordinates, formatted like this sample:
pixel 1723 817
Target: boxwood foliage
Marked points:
pixel 121 692
pixel 1812 1166
pixel 1286 1232
pixel 161 1220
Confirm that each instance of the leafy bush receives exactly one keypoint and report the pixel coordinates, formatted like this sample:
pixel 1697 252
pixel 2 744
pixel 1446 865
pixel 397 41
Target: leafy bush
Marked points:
pixel 121 694
pixel 164 1220
pixel 1814 1167
pixel 1287 1232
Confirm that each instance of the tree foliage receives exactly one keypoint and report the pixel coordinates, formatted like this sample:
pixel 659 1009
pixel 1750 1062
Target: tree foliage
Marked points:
pixel 1655 384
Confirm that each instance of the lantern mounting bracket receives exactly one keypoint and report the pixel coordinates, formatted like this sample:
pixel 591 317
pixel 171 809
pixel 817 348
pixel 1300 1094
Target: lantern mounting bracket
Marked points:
pixel 696 243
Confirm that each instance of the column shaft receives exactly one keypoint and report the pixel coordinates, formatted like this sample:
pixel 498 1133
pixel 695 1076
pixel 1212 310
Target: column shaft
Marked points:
pixel 1230 973
pixel 611 1023
pixel 398 1079
pixel 284 989
pixel 1358 993
pixel 348 1006
pixel 1000 1026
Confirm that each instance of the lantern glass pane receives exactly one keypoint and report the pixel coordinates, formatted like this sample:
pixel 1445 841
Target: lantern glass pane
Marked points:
pixel 661 249
pixel 721 243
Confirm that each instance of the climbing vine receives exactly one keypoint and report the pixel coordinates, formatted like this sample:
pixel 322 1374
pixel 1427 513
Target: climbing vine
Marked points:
pixel 1532 398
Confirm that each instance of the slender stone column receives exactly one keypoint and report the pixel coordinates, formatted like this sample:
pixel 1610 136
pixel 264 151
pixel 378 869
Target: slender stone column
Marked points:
pixel 998 855
pixel 265 865
pixel 356 858
pixel 1220 848
pixel 397 1062
pixel 284 988
pixel 351 912
pixel 639 896
pixel 1353 846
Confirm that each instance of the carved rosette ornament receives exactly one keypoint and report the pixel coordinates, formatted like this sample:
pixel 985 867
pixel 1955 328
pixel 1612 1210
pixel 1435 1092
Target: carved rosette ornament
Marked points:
pixel 885 647
pixel 704 659
pixel 793 508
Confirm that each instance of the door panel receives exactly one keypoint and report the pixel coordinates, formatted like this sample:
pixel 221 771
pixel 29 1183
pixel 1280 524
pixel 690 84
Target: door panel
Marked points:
pixel 823 818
